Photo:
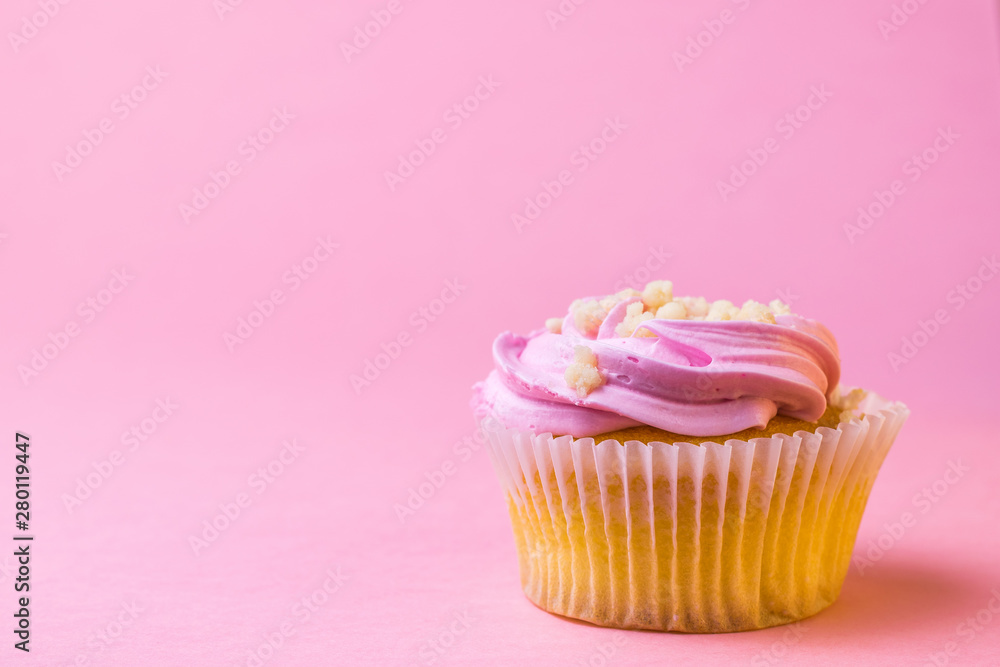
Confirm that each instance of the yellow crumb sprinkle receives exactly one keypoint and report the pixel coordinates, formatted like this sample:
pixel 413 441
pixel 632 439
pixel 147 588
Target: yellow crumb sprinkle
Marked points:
pixel 755 312
pixel 778 307
pixel 657 293
pixel 722 310
pixel 633 317
pixel 583 375
pixel 696 306
pixel 674 310
pixel 587 316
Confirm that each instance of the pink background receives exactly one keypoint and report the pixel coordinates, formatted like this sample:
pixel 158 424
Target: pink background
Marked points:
pixel 651 198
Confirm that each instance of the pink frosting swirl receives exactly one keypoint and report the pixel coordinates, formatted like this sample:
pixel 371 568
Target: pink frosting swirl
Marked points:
pixel 695 377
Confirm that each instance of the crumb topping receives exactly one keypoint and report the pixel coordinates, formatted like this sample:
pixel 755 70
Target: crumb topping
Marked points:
pixel 588 315
pixel 849 404
pixel 634 315
pixel 658 302
pixel 675 310
pixel 583 375
pixel 780 308
pixel 755 312
pixel 722 310
pixel 656 294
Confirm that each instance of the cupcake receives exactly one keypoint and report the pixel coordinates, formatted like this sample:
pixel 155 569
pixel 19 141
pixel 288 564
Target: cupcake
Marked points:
pixel 671 463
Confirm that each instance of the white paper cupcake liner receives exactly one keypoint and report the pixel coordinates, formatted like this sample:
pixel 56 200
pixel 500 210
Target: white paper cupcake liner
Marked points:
pixel 692 538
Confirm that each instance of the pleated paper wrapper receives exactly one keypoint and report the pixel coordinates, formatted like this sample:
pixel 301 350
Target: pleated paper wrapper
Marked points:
pixel 691 538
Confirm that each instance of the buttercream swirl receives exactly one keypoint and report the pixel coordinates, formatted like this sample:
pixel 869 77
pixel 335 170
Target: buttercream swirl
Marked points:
pixel 692 377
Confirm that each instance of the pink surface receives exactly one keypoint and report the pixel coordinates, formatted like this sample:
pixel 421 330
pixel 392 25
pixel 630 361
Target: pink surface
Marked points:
pixel 611 148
